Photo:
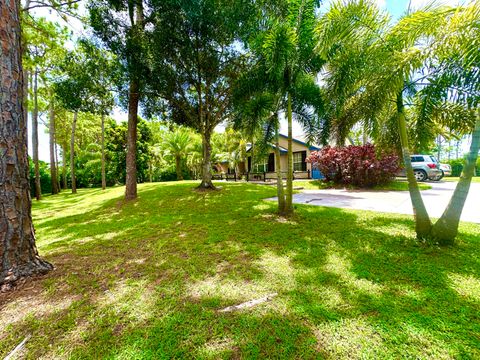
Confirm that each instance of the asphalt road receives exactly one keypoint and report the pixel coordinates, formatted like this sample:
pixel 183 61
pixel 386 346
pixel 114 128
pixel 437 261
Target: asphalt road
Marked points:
pixel 436 199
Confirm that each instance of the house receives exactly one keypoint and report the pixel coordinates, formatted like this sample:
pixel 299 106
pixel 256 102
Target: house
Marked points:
pixel 265 168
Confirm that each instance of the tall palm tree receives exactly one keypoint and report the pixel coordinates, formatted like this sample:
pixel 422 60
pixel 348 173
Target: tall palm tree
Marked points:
pixel 284 74
pixel 426 40
pixel 177 143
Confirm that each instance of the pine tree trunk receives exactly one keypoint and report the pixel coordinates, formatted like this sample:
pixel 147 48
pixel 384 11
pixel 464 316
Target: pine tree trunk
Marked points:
pixel 278 168
pixel 206 162
pixel 18 253
pixel 178 167
pixel 53 167
pixel 289 192
pixel 104 179
pixel 64 166
pixel 57 165
pixel 446 228
pixel 38 188
pixel 423 224
pixel 131 179
pixel 72 154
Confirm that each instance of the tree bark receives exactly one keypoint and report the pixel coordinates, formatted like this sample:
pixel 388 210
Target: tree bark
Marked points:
pixel 423 224
pixel 131 179
pixel 18 253
pixel 64 166
pixel 206 162
pixel 53 165
pixel 278 168
pixel 289 192
pixel 72 154
pixel 104 179
pixel 178 167
pixel 57 166
pixel 38 187
pixel 446 228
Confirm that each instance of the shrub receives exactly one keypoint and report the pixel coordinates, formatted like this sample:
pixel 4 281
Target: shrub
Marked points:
pixel 360 166
pixel 457 166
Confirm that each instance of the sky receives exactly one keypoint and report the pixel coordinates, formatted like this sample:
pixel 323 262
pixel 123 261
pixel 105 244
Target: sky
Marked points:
pixel 396 8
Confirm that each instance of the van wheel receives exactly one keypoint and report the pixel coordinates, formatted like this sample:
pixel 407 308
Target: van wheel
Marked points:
pixel 420 175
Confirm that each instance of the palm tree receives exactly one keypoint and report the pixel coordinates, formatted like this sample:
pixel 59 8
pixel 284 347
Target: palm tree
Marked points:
pixel 177 144
pixel 282 77
pixel 426 40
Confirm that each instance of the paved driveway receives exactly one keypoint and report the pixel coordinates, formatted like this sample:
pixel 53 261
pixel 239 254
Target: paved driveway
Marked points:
pixel 436 199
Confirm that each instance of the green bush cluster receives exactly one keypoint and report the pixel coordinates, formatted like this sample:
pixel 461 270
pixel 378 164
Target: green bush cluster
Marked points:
pixel 457 166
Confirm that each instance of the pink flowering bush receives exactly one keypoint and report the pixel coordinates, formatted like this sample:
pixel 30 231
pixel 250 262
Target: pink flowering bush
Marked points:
pixel 360 166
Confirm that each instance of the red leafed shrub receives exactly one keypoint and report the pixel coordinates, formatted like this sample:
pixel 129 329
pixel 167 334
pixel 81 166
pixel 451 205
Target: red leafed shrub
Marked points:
pixel 360 166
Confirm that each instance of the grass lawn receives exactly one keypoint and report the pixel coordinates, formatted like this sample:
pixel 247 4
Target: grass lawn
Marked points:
pixel 146 279
pixel 395 185
pixel 475 179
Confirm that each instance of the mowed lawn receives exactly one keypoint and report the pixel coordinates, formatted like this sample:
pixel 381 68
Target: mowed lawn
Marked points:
pixel 145 280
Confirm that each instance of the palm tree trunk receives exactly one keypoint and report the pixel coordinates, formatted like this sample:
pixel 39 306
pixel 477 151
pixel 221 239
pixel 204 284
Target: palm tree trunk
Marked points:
pixel 131 179
pixel 278 168
pixel 38 188
pixel 446 228
pixel 178 167
pixel 72 153
pixel 104 180
pixel 57 165
pixel 18 253
pixel 289 192
pixel 423 224
pixel 206 162
pixel 53 168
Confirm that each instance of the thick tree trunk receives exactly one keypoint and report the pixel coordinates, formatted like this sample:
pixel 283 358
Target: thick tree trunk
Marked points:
pixel 178 167
pixel 289 192
pixel 64 166
pixel 53 165
pixel 278 168
pixel 423 224
pixel 72 154
pixel 446 228
pixel 38 188
pixel 206 162
pixel 104 179
pixel 18 253
pixel 131 179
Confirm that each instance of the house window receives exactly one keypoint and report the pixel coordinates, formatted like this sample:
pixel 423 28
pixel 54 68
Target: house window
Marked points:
pixel 299 163
pixel 261 166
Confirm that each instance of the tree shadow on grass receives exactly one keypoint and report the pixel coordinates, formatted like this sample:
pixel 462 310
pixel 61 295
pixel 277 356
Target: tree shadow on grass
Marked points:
pixel 146 280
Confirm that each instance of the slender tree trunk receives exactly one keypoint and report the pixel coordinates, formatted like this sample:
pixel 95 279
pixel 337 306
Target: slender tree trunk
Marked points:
pixel 278 168
pixel 289 192
pixel 206 162
pixel 131 179
pixel 18 253
pixel 178 167
pixel 423 224
pixel 104 179
pixel 446 228
pixel 64 166
pixel 72 154
pixel 53 167
pixel 38 188
pixel 57 164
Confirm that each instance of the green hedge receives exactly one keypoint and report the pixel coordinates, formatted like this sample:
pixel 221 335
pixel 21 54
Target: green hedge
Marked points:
pixel 457 166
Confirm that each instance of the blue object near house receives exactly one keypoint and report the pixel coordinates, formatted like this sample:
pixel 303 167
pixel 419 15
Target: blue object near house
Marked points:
pixel 317 175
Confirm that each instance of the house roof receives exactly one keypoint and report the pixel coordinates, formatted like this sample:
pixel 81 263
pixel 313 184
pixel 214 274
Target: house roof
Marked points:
pixel 310 147
pixel 282 149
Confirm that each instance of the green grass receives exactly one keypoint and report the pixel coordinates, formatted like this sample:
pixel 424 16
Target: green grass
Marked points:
pixel 145 280
pixel 396 185
pixel 475 179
